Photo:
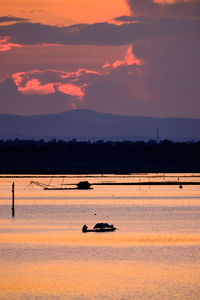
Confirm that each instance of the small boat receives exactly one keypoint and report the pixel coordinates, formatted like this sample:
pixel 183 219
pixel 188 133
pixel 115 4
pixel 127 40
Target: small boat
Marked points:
pixel 99 227
pixel 84 185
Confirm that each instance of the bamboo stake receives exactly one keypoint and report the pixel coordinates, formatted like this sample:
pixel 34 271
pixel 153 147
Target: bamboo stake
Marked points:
pixel 13 199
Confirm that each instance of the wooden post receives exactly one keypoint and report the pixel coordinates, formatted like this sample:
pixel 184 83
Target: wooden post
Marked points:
pixel 13 199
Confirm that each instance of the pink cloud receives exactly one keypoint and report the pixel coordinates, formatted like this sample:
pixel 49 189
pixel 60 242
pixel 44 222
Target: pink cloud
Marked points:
pixel 71 89
pixel 49 81
pixel 80 72
pixel 34 86
pixel 31 82
pixel 22 77
pixel 6 45
pixel 57 75
pixel 18 77
pixel 118 63
pixel 106 65
pixel 128 60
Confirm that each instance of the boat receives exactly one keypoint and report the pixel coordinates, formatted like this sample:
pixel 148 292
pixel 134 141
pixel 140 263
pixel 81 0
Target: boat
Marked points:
pixel 83 185
pixel 99 227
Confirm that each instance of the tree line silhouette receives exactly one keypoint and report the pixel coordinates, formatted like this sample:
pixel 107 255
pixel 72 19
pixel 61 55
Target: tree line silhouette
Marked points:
pixel 62 157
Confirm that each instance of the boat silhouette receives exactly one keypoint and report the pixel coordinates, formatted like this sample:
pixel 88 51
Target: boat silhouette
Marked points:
pixel 99 227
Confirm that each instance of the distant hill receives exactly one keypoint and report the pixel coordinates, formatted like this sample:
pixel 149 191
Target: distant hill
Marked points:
pixel 91 125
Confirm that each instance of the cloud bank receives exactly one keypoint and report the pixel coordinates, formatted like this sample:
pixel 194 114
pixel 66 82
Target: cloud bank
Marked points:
pixel 100 33
pixel 165 8
pixel 6 19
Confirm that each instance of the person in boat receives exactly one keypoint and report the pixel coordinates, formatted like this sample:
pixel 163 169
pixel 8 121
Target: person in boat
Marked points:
pixel 101 225
pixel 84 229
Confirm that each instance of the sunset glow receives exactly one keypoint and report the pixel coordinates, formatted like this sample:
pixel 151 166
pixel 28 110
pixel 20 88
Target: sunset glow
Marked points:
pixel 65 12
pixel 99 149
pixel 142 55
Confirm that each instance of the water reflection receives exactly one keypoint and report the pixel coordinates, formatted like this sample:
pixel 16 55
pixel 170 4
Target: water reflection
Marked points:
pixel 154 255
pixel 100 280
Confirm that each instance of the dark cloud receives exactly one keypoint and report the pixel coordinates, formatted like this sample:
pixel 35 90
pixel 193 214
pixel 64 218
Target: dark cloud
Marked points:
pixel 170 75
pixel 130 19
pixel 116 93
pixel 100 33
pixel 81 34
pixel 12 19
pixel 125 19
pixel 164 9
pixel 166 85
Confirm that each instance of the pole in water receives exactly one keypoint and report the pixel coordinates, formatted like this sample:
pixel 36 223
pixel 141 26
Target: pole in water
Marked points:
pixel 13 199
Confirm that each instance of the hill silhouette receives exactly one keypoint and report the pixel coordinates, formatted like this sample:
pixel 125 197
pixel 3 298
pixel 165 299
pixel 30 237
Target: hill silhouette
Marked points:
pixel 90 125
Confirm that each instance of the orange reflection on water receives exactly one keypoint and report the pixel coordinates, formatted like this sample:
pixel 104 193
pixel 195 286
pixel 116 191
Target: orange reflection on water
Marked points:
pixel 94 239
pixel 97 280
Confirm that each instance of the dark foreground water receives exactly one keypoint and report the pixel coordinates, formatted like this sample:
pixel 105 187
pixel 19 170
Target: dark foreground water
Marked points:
pixel 154 255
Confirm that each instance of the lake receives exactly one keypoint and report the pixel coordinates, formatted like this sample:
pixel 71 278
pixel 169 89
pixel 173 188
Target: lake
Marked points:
pixel 155 254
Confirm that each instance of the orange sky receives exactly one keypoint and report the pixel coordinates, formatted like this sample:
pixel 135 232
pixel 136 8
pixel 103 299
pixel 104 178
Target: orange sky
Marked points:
pixel 65 12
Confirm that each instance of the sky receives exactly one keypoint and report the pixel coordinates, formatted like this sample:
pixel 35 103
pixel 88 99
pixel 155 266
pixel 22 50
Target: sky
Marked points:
pixel 127 57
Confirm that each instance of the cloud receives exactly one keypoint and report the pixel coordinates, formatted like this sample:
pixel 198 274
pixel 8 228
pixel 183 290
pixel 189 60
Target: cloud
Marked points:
pixel 100 33
pixel 74 84
pixel 133 19
pixel 72 89
pixel 34 86
pixel 81 34
pixel 167 84
pixel 165 8
pixel 128 60
pixel 67 58
pixel 12 19
pixel 170 75
pixel 125 19
pixel 158 75
pixel 6 44
pixel 50 81
pixel 159 79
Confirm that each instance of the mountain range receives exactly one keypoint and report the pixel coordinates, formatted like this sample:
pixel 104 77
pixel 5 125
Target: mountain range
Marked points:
pixel 90 125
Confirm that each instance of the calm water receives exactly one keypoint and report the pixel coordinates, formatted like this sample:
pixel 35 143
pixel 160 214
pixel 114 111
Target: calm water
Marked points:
pixel 154 255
